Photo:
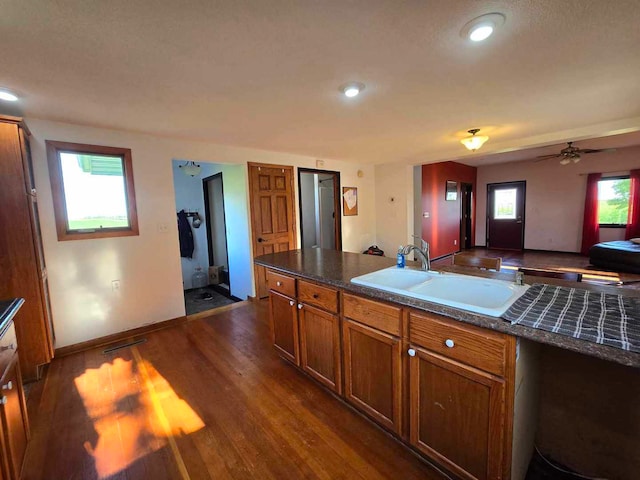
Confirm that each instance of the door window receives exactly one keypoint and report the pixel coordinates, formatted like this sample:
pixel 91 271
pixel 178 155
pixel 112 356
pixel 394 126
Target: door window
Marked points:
pixel 505 204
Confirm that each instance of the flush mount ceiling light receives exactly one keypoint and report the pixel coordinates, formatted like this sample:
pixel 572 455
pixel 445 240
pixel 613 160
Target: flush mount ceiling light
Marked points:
pixel 474 142
pixel 191 169
pixel 481 28
pixel 352 89
pixel 7 95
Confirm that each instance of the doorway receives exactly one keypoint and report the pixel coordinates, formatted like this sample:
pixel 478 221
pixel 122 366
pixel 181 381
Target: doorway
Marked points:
pixel 213 190
pixel 319 202
pixel 505 215
pixel 466 216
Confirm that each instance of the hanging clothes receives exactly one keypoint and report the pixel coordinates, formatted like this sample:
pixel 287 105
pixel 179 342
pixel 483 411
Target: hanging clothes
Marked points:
pixel 185 234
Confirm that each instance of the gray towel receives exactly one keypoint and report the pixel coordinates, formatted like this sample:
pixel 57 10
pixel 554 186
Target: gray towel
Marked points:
pixel 596 317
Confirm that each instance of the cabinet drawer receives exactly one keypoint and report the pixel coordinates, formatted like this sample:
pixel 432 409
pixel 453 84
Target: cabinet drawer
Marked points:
pixel 375 314
pixel 478 347
pixel 8 347
pixel 322 297
pixel 281 283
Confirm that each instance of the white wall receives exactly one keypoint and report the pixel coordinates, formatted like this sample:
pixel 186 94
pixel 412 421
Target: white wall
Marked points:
pixel 394 207
pixel 555 197
pixel 148 266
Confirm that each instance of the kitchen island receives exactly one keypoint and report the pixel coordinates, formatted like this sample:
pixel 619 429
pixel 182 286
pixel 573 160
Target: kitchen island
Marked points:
pixel 444 380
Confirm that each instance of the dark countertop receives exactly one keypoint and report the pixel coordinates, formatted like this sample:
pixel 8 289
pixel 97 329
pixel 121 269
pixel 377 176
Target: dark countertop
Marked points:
pixel 8 309
pixel 337 268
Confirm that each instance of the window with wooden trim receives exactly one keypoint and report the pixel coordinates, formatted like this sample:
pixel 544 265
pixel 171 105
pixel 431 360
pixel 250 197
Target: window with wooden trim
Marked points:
pixel 613 201
pixel 93 193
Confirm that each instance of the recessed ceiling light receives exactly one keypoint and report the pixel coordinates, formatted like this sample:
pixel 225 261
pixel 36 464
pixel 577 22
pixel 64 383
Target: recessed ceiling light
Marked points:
pixel 7 95
pixel 481 28
pixel 352 89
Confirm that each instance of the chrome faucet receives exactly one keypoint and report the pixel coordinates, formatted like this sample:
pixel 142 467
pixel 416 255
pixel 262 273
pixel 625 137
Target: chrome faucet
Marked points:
pixel 422 252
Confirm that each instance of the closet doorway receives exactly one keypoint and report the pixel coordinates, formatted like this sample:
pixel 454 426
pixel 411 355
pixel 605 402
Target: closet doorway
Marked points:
pixel 213 190
pixel 319 200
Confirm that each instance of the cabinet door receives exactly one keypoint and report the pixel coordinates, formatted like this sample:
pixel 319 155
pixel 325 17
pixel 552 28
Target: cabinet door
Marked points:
pixel 456 415
pixel 14 418
pixel 320 346
pixel 372 373
pixel 284 326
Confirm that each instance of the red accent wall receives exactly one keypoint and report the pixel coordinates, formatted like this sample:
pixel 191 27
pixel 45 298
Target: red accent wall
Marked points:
pixel 442 227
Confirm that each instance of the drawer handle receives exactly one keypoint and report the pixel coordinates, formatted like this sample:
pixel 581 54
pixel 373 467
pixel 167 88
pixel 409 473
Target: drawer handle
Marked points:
pixel 279 284
pixel 316 296
pixel 8 386
pixel 11 346
pixel 449 343
pixel 411 352
pixel 4 400
pixel 299 306
pixel 292 303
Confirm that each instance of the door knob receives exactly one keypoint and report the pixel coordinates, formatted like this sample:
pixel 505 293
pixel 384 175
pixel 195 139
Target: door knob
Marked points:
pixel 8 386
pixel 411 352
pixel 260 240
pixel 3 401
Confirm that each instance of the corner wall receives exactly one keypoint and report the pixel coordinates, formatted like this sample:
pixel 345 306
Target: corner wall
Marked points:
pixel 148 266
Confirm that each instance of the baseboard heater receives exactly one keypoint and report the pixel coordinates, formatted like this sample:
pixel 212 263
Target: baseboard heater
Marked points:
pixel 124 345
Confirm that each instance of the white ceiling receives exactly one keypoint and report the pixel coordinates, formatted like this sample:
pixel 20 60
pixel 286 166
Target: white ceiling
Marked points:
pixel 265 74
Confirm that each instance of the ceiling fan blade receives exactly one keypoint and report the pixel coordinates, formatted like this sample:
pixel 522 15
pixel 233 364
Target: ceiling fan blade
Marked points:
pixel 553 155
pixel 597 150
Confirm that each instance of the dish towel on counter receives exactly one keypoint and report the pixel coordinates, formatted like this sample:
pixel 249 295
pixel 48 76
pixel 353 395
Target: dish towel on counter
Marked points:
pixel 597 317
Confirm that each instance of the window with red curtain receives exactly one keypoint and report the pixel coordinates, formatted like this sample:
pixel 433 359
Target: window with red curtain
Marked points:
pixel 633 220
pixel 590 226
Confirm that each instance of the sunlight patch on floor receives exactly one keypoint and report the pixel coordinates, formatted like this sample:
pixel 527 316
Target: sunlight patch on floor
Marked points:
pixel 134 410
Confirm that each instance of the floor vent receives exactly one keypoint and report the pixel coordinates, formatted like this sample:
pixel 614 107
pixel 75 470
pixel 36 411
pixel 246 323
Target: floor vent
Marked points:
pixel 124 345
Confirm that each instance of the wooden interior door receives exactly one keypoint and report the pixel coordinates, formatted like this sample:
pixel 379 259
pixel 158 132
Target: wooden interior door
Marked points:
pixel 505 215
pixel 272 214
pixel 456 415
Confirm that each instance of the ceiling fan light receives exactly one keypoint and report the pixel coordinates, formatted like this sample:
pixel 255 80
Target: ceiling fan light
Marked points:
pixel 565 161
pixel 576 159
pixel 474 142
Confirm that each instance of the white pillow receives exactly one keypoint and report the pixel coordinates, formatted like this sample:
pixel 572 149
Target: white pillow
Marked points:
pixel 636 240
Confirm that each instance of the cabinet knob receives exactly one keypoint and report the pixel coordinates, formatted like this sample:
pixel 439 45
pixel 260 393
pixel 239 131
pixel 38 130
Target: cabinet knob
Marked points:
pixel 316 296
pixel 8 386
pixel 299 306
pixel 3 401
pixel 292 303
pixel 279 284
pixel 449 343
pixel 411 352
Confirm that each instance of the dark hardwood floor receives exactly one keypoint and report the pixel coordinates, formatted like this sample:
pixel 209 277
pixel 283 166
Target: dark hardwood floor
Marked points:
pixel 207 399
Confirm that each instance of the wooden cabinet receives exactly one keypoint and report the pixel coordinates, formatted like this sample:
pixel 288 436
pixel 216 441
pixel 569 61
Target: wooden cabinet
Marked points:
pixel 320 346
pixel 15 427
pixel 373 374
pixel 443 386
pixel 461 396
pixel 284 326
pixel 306 329
pixel 456 415
pixel 21 254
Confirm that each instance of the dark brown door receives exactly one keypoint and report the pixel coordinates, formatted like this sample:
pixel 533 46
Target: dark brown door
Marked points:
pixel 505 215
pixel 320 346
pixel 456 415
pixel 272 214
pixel 372 373
pixel 466 216
pixel 283 314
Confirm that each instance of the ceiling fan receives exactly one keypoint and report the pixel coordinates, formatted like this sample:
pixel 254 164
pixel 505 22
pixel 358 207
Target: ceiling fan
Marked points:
pixel 571 153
